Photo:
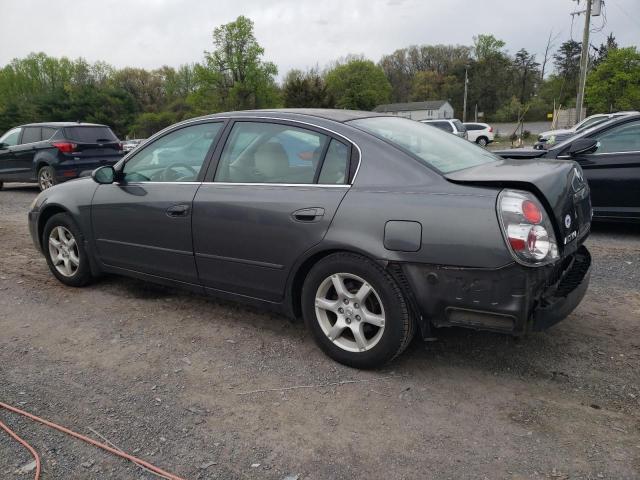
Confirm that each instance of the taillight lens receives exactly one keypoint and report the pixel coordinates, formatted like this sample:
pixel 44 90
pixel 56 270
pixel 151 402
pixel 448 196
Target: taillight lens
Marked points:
pixel 527 228
pixel 490 129
pixel 119 146
pixel 65 147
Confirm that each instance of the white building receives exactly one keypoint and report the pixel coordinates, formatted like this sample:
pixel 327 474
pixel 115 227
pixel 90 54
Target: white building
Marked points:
pixel 430 110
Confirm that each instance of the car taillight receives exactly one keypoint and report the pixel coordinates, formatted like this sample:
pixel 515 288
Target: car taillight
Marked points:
pixel 490 129
pixel 65 147
pixel 527 228
pixel 119 146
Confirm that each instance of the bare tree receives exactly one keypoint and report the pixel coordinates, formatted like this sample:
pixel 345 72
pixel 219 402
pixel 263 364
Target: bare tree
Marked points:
pixel 547 52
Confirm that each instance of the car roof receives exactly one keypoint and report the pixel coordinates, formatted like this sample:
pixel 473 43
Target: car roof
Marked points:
pixel 62 124
pixel 336 115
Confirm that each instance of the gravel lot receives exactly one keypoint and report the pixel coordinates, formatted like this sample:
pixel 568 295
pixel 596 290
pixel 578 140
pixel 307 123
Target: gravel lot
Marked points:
pixel 163 374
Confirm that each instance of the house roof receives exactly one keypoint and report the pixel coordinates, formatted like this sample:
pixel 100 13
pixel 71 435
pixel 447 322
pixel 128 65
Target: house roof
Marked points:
pixel 410 106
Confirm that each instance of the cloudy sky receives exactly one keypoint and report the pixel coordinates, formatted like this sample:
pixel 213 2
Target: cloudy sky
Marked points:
pixel 294 33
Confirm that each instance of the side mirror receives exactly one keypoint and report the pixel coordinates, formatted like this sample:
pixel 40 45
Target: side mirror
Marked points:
pixel 104 175
pixel 583 145
pixel 3 146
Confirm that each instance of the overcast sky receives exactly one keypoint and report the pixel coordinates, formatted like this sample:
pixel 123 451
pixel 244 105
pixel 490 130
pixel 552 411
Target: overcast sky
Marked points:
pixel 294 33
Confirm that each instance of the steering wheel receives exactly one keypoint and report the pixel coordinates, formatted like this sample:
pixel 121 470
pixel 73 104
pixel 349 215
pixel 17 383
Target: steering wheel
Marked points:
pixel 169 174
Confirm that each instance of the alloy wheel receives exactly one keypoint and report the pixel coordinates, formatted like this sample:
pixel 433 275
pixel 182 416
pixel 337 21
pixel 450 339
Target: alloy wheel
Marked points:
pixel 350 312
pixel 45 179
pixel 63 251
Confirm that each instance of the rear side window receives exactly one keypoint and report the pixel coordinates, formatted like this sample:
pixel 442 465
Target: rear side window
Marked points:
pixel 622 138
pixel 258 152
pixel 90 134
pixel 334 167
pixel 47 132
pixel 31 134
pixel 446 126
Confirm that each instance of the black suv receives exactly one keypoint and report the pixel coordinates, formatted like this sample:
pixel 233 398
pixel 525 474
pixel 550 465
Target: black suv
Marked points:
pixel 50 153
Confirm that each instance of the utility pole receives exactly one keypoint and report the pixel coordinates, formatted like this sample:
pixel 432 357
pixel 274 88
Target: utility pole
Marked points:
pixel 466 81
pixel 584 62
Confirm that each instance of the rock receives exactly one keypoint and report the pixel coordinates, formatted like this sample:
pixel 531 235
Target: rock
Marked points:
pixel 27 467
pixel 255 465
pixel 291 476
pixel 186 360
pixel 87 464
pixel 206 465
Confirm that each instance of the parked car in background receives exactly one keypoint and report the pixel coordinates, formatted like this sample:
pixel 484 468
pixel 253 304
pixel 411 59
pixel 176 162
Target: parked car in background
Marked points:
pixel 553 137
pixel 452 125
pixel 480 133
pixel 131 144
pixel 609 155
pixel 50 153
pixel 348 219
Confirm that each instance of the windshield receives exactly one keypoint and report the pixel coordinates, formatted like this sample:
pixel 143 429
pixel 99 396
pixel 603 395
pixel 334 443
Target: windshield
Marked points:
pixel 438 149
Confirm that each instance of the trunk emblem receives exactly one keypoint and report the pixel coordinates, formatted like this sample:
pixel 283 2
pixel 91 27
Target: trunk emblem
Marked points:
pixel 567 221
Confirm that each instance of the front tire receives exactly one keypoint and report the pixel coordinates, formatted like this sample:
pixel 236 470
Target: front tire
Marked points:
pixel 46 177
pixel 356 312
pixel 63 245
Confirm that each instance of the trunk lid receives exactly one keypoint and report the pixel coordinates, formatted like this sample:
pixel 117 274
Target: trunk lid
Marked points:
pixel 558 184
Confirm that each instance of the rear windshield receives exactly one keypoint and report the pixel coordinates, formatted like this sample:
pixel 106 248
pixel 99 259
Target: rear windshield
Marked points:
pixel 90 134
pixel 459 126
pixel 438 149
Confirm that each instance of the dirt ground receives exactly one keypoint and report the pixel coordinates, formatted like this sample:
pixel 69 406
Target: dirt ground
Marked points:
pixel 164 375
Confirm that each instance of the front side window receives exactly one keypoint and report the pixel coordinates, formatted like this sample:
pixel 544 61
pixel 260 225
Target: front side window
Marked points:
pixel 175 157
pixel 446 153
pixel 623 138
pixel 260 152
pixel 31 135
pixel 11 137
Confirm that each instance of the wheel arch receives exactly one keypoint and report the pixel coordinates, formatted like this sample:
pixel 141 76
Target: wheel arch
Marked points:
pixel 48 212
pixel 293 299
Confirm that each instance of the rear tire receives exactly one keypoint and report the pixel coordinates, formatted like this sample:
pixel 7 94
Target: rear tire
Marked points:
pixel 482 141
pixel 364 325
pixel 46 177
pixel 63 246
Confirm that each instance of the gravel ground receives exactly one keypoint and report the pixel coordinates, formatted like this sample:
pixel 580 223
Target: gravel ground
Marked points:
pixel 164 375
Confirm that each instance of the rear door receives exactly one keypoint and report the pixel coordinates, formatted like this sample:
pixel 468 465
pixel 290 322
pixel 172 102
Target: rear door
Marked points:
pixel 143 223
pixel 24 152
pixel 613 171
pixel 274 192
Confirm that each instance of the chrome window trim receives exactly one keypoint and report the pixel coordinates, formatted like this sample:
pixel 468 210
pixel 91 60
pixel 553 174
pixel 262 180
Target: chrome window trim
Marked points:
pixel 615 153
pixel 228 184
pixel 249 118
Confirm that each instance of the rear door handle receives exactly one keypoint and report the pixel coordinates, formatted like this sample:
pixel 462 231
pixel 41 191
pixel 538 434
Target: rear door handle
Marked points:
pixel 308 214
pixel 180 210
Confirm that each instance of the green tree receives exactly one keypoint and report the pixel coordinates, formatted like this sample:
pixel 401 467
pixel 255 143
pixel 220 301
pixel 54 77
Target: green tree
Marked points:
pixel 305 89
pixel 615 83
pixel 234 75
pixel 487 46
pixel 358 84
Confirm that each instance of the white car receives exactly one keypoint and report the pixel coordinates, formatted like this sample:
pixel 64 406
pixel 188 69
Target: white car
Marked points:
pixel 480 133
pixel 451 125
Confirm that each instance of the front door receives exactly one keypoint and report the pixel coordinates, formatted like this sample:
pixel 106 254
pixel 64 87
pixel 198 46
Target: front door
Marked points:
pixel 143 222
pixel 613 171
pixel 8 143
pixel 275 191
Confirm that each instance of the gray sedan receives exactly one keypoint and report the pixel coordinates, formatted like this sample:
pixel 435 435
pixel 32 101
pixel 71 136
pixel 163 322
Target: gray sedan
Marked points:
pixel 369 227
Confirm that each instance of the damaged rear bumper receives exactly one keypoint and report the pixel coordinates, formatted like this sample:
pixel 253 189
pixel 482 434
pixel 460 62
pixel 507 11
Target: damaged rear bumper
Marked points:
pixel 513 299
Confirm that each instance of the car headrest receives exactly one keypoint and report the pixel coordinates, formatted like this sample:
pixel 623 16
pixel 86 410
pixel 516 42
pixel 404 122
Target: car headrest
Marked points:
pixel 271 160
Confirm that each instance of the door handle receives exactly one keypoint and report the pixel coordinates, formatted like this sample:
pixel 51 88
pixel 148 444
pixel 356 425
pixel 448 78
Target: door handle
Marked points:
pixel 308 214
pixel 181 210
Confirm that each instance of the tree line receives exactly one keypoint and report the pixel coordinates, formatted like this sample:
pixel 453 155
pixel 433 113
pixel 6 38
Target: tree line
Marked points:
pixel 137 102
